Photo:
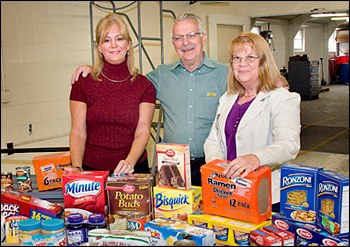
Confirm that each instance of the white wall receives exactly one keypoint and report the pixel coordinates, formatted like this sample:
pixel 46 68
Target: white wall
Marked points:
pixel 43 42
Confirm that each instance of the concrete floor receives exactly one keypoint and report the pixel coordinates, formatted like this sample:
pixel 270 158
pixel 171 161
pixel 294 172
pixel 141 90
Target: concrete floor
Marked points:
pixel 324 135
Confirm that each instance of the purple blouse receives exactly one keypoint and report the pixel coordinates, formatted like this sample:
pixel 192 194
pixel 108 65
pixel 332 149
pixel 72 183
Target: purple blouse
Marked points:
pixel 232 122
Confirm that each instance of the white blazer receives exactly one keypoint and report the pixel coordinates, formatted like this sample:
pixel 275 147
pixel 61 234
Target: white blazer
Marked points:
pixel 269 129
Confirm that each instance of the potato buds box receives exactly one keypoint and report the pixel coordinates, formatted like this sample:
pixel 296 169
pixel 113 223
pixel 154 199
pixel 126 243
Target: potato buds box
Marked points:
pixel 84 192
pixel 49 169
pixel 333 202
pixel 174 167
pixel 246 199
pixel 177 204
pixel 298 192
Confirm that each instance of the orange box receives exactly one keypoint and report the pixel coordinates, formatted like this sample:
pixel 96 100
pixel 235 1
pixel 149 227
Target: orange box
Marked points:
pixel 49 169
pixel 247 199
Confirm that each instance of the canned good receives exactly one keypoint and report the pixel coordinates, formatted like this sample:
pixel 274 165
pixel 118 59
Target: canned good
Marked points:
pixel 24 181
pixel 6 180
pixel 185 242
pixel 135 221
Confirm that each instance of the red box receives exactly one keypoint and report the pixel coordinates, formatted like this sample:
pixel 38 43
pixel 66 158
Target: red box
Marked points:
pixel 84 192
pixel 287 237
pixel 261 237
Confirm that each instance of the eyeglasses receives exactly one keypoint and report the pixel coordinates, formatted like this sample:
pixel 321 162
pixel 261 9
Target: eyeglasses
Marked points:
pixel 248 59
pixel 190 36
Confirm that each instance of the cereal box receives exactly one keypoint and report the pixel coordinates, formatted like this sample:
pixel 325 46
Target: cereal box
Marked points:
pixel 165 232
pixel 298 192
pixel 129 194
pixel 49 169
pixel 177 204
pixel 174 167
pixel 84 192
pixel 227 231
pixel 333 202
pixel 247 199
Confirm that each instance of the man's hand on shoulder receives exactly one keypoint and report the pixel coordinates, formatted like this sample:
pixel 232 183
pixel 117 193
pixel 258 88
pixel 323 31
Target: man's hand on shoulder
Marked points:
pixel 86 69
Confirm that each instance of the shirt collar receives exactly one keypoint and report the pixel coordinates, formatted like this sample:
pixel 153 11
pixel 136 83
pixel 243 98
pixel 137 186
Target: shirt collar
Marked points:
pixel 205 61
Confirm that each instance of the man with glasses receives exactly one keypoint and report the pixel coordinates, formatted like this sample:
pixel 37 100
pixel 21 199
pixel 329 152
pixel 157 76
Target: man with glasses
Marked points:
pixel 188 90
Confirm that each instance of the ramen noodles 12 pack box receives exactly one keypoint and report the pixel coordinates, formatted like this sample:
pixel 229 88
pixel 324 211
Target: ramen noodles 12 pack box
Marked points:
pixel 298 192
pixel 333 202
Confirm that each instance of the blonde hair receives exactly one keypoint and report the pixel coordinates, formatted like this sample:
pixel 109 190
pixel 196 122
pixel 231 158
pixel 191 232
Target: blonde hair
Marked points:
pixel 269 75
pixel 102 30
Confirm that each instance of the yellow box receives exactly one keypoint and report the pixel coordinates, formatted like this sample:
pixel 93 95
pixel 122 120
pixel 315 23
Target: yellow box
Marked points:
pixel 226 228
pixel 176 204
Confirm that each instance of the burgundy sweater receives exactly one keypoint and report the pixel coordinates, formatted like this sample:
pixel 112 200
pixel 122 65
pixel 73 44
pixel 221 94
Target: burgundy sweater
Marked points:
pixel 112 113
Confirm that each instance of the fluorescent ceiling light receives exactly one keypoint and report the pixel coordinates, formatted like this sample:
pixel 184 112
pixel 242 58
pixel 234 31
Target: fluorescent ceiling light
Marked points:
pixel 329 15
pixel 340 18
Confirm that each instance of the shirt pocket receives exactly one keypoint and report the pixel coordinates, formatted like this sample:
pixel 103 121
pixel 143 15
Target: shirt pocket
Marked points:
pixel 208 106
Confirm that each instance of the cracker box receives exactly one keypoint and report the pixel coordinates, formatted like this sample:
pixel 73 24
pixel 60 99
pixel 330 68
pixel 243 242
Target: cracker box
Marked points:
pixel 128 194
pixel 84 192
pixel 287 237
pixel 333 201
pixel 227 231
pixel 298 192
pixel 260 237
pixel 165 232
pixel 246 199
pixel 174 167
pixel 176 204
pixel 49 169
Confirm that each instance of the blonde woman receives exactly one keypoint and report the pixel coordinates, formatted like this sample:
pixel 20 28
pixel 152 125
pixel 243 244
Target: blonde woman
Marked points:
pixel 111 108
pixel 257 121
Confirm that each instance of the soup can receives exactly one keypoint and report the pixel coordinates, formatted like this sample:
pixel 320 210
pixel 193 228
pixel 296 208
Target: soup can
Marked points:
pixel 6 180
pixel 135 221
pixel 24 181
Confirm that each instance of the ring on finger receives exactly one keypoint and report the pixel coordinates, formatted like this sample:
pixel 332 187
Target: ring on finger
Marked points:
pixel 242 168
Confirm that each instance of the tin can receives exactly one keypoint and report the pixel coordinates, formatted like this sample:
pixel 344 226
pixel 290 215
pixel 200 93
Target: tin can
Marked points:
pixel 24 181
pixel 135 221
pixel 6 180
pixel 185 242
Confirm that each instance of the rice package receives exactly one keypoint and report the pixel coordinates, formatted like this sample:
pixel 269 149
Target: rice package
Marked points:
pixel 247 199
pixel 333 202
pixel 298 192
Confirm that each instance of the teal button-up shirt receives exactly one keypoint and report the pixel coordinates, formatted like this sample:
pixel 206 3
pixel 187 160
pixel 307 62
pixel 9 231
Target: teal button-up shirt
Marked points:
pixel 189 100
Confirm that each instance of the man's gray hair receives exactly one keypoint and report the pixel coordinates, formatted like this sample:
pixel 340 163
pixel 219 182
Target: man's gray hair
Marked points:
pixel 188 16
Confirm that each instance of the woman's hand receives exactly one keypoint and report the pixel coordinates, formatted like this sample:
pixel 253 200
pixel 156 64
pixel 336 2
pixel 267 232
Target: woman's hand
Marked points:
pixel 245 164
pixel 86 69
pixel 123 167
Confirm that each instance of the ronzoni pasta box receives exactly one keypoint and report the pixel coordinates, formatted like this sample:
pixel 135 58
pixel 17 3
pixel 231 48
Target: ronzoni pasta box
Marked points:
pixel 298 192
pixel 333 202
pixel 247 199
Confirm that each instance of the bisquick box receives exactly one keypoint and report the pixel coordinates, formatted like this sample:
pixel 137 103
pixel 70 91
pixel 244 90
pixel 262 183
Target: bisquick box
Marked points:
pixel 174 166
pixel 261 237
pixel 333 203
pixel 84 192
pixel 308 234
pixel 165 232
pixel 129 194
pixel 49 169
pixel 247 199
pixel 299 185
pixel 176 204
pixel 227 231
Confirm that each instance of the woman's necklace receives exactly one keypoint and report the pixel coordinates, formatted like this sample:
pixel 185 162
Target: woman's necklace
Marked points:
pixel 114 80
pixel 248 96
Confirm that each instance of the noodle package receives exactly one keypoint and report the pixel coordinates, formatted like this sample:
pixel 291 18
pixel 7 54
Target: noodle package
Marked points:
pixel 333 203
pixel 298 192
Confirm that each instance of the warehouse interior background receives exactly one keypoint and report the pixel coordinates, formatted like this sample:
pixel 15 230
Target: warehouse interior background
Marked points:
pixel 43 42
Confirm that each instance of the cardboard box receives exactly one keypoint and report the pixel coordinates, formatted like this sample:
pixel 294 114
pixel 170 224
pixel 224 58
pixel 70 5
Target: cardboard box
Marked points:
pixel 49 169
pixel 165 232
pixel 227 231
pixel 261 237
pixel 298 192
pixel 84 192
pixel 176 204
pixel 174 166
pixel 287 237
pixel 247 199
pixel 333 203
